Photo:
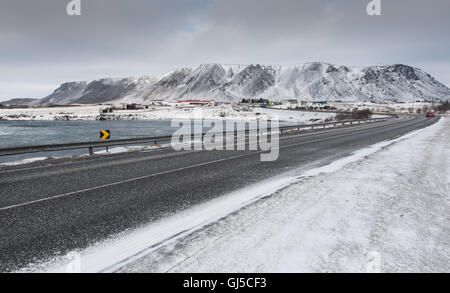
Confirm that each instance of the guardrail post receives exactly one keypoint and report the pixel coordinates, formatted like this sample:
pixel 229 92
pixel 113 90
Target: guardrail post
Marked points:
pixel 91 151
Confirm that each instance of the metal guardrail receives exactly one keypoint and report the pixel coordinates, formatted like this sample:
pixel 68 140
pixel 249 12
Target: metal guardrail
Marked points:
pixel 157 139
pixel 334 123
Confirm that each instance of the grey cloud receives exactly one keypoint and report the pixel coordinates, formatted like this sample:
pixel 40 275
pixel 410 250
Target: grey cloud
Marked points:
pixel 41 45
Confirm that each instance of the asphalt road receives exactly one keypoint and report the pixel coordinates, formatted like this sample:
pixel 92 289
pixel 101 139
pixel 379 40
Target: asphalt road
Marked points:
pixel 49 209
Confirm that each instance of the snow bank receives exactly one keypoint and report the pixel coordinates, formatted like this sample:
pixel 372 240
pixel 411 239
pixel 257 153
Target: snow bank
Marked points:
pixel 387 211
pixel 24 161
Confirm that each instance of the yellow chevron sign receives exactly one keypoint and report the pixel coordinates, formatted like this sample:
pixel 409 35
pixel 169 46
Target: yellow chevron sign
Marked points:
pixel 105 134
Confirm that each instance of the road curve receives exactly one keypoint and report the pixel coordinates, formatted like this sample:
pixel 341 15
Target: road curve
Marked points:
pixel 49 209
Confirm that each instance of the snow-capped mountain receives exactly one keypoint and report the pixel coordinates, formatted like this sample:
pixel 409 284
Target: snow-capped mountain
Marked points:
pixel 67 93
pixel 311 81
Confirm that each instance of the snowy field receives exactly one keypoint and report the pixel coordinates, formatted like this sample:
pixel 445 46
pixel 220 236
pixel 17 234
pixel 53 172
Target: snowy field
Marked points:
pixel 383 209
pixel 221 112
pixel 399 108
pixel 384 108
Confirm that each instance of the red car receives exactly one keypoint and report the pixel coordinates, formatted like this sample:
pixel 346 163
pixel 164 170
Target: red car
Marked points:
pixel 431 115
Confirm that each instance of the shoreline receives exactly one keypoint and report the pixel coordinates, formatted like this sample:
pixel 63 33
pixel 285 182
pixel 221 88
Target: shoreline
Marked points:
pixel 222 112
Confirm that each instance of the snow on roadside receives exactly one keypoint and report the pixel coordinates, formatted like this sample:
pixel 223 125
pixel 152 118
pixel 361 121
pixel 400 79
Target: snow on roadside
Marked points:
pixel 387 211
pixel 316 224
pixel 24 161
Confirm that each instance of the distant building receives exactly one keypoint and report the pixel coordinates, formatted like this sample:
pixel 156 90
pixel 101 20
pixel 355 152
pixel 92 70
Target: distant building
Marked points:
pixel 195 102
pixel 134 106
pixel 158 102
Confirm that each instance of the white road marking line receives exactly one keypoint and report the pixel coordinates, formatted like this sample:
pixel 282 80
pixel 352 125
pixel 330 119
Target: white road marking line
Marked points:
pixel 116 183
pixel 156 174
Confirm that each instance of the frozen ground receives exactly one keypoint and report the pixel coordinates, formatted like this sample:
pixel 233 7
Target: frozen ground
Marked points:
pixel 54 113
pixel 220 112
pixel 386 208
pixel 226 111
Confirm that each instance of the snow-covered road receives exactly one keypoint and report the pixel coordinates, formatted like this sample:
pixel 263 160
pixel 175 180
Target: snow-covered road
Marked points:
pixel 388 211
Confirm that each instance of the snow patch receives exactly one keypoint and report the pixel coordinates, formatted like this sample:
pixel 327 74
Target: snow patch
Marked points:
pixel 25 161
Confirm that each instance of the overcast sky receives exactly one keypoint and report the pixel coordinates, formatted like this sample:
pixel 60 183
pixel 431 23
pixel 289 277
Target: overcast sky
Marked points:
pixel 42 47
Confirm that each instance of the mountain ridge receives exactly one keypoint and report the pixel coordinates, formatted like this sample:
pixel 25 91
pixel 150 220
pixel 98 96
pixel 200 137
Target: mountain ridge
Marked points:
pixel 232 82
